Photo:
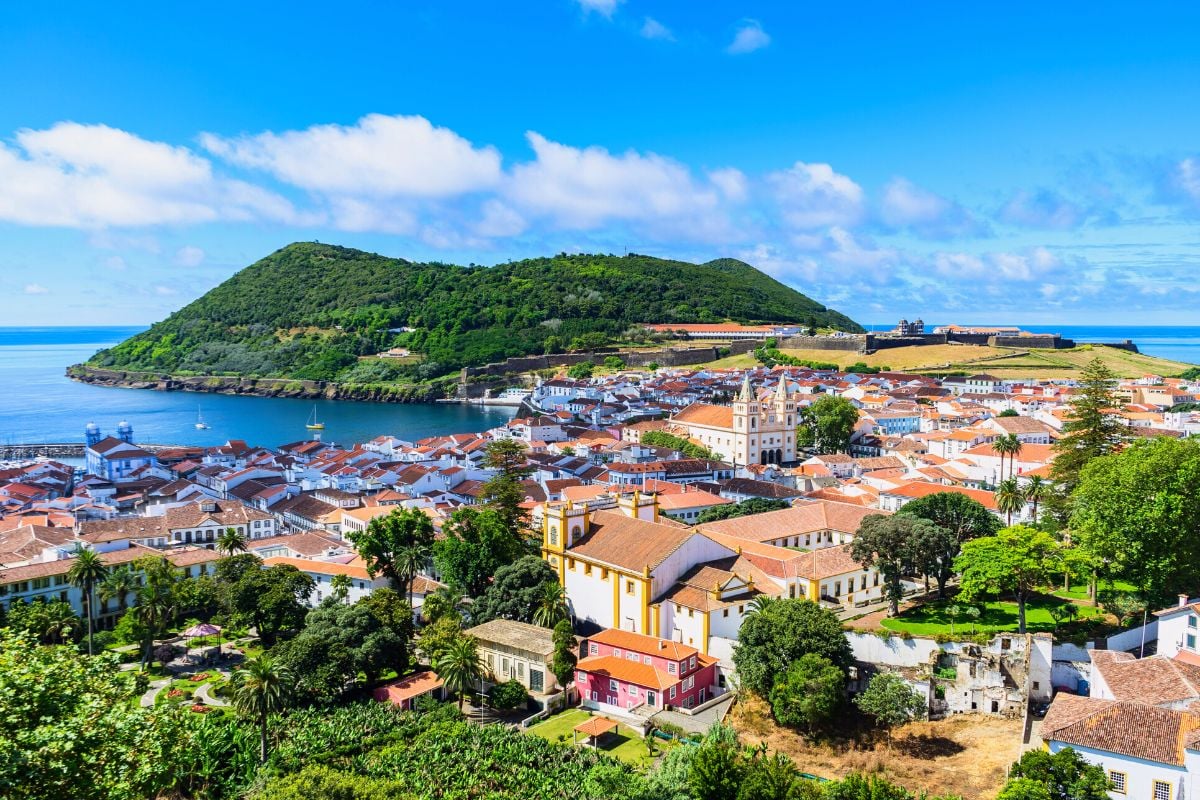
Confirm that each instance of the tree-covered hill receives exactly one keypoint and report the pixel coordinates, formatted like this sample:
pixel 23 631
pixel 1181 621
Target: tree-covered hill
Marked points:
pixel 310 310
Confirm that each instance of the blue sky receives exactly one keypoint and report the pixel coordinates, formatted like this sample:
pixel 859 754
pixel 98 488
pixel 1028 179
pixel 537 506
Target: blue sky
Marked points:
pixel 1025 163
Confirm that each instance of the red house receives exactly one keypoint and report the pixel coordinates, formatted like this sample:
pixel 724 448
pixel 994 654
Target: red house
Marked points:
pixel 405 691
pixel 620 669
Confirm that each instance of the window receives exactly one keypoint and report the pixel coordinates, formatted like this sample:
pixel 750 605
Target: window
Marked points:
pixel 581 678
pixel 688 683
pixel 587 569
pixel 632 656
pixel 628 587
pixel 671 668
pixel 41 583
pixel 691 612
pixel 603 574
pixel 1118 780
pixel 593 649
pixel 1162 790
pixel 1191 622
pixel 520 669
pixel 633 691
pixel 504 667
pixel 646 660
pixel 1191 641
pixel 671 694
pixel 725 612
pixel 612 685
pixel 570 563
pixel 692 662
pixel 617 652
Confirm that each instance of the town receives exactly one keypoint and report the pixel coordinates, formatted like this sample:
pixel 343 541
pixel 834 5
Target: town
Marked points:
pixel 640 555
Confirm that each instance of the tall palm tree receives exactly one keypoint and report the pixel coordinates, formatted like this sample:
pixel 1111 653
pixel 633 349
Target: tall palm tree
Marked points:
pixel 440 602
pixel 1009 498
pixel 1002 445
pixel 552 605
pixel 1015 446
pixel 409 563
pixel 460 667
pixel 262 687
pixel 341 587
pixel 1036 489
pixel 761 603
pixel 87 571
pixel 231 542
pixel 155 598
pixel 120 582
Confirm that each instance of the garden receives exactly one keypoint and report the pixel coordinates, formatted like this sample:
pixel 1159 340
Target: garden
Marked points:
pixel 623 743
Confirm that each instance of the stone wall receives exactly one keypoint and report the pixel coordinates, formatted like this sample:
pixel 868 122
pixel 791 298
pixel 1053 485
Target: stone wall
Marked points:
pixel 855 343
pixel 666 357
pixel 1038 341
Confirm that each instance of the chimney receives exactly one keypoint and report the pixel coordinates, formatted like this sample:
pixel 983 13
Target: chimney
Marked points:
pixel 1183 600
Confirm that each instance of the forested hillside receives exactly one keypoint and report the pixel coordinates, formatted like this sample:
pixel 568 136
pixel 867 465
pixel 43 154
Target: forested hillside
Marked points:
pixel 311 310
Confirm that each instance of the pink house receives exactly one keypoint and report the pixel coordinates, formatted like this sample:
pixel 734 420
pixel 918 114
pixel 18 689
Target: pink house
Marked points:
pixel 621 669
pixel 405 691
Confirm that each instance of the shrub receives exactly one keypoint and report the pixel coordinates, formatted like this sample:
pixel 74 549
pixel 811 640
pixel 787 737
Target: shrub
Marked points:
pixel 509 694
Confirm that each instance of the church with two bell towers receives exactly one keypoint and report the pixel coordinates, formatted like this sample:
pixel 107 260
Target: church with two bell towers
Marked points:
pixel 754 429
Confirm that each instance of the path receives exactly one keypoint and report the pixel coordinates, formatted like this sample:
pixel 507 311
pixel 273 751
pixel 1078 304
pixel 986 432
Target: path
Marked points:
pixel 205 696
pixel 155 686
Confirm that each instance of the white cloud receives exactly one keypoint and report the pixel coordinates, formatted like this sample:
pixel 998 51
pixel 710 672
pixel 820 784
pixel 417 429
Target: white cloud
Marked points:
pixel 36 288
pixel 906 205
pixel 499 219
pixel 1035 264
pixel 749 37
pixel 653 29
pixel 165 291
pixel 815 196
pixel 605 8
pixel 732 183
pixel 381 156
pixel 1043 209
pixel 115 263
pixel 584 188
pixel 189 256
pixel 94 176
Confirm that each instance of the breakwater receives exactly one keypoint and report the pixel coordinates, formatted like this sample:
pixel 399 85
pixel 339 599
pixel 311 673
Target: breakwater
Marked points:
pixel 28 452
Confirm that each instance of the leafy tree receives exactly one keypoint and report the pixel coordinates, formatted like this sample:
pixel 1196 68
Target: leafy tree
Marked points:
pixel 891 701
pixel 340 586
pixel 200 597
pixel 1092 430
pixel 1064 775
pixel 962 516
pixel 827 424
pixel 503 491
pixel 71 727
pixel 889 544
pixel 552 606
pixel 1064 612
pixel 262 687
pixel 769 778
pixel 119 584
pixel 516 592
pixel 1037 489
pixel 436 638
pixel 443 601
pixel 581 371
pixel 509 695
pixel 1137 513
pixel 613 362
pixel 460 667
pixel 1024 789
pixel 382 545
pixel 273 599
pixel 231 542
pixel 478 542
pixel 781 632
pixel 52 622
pixel 755 505
pixel 86 572
pixel 809 692
pixel 680 444
pixel 1008 412
pixel 716 772
pixel 1122 605
pixel 564 661
pixel 1017 559
pixel 1010 499
pixel 856 786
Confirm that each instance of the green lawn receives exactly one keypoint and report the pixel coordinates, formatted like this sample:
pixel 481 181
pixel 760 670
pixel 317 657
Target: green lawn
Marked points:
pixel 1079 591
pixel 622 743
pixel 998 616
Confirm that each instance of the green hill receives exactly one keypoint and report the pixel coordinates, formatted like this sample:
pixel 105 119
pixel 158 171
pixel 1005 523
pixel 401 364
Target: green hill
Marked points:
pixel 310 310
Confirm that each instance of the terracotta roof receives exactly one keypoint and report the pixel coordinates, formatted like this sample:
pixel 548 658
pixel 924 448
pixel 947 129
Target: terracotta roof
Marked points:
pixel 305 544
pixel 513 633
pixel 706 414
pixel 404 689
pixel 596 726
pixel 321 567
pixel 627 671
pixel 227 513
pixel 1154 681
pixel 915 489
pixel 1130 729
pixel 113 530
pixel 629 543
pixel 803 518
pixel 646 645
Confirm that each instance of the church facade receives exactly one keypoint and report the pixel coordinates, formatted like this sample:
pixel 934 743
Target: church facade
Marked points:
pixel 752 430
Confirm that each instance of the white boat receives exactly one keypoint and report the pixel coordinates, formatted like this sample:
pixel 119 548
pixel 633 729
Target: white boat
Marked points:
pixel 201 425
pixel 313 425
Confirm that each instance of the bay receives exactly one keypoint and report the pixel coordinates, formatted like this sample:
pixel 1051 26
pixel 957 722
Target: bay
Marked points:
pixel 39 404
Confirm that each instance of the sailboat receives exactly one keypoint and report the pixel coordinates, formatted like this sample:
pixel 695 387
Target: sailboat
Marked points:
pixel 201 425
pixel 313 425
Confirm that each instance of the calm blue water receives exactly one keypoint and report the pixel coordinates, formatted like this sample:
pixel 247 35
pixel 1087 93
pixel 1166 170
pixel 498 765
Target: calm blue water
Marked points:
pixel 1178 343
pixel 39 404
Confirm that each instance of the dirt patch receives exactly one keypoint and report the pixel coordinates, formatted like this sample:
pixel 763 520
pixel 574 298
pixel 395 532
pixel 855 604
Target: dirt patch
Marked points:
pixel 967 755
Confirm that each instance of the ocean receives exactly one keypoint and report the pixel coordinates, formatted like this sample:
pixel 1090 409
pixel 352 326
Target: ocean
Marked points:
pixel 39 404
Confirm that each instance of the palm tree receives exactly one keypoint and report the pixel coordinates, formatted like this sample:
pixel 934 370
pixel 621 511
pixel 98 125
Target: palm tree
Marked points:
pixel 156 599
pixel 1003 446
pixel 60 624
pixel 230 542
pixel 1036 488
pixel 87 571
pixel 1009 498
pixel 1015 446
pixel 118 585
pixel 409 563
pixel 439 603
pixel 552 605
pixel 460 667
pixel 341 587
pixel 261 688
pixel 761 603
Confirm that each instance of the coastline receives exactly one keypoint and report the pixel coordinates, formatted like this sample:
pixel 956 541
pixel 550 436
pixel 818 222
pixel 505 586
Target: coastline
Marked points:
pixel 260 387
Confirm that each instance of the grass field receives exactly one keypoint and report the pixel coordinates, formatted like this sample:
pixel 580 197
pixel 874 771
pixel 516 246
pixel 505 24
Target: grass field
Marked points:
pixel 999 616
pixel 999 361
pixel 622 743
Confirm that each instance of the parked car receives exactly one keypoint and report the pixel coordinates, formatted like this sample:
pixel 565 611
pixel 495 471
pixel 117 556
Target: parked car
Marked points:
pixel 1039 709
